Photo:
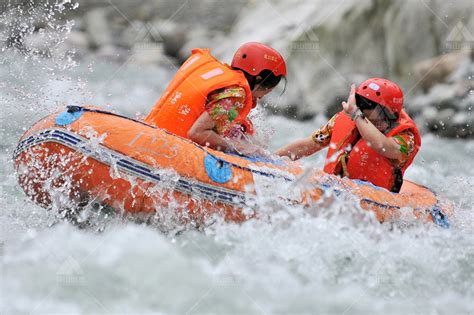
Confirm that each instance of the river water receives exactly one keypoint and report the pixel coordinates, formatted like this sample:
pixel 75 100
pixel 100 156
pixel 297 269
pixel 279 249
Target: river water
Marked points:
pixel 333 260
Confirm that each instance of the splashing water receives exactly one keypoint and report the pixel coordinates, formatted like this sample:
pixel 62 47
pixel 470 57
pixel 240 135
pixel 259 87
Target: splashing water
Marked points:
pixel 330 260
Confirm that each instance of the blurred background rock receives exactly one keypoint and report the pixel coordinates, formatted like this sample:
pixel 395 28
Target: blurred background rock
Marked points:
pixel 426 45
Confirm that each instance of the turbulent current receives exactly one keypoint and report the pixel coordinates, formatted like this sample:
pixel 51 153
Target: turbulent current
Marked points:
pixel 330 260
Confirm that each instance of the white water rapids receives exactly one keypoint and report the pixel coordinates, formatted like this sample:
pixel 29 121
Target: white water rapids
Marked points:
pixel 334 260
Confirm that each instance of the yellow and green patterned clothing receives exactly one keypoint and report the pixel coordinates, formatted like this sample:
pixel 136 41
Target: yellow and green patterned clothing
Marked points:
pixel 224 105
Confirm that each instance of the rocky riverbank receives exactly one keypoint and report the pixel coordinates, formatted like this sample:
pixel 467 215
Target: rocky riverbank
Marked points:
pixel 424 45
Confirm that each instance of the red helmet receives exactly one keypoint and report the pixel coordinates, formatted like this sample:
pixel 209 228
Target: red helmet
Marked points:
pixel 253 58
pixel 383 92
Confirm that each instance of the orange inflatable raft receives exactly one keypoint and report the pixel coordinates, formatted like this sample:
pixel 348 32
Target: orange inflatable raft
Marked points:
pixel 84 154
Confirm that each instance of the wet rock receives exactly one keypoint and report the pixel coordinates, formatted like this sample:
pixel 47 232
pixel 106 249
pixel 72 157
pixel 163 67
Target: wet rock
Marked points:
pixel 446 108
pixel 441 96
pixel 439 69
pixel 442 123
pixel 76 45
pixel 149 53
pixel 199 37
pixel 125 8
pixel 430 115
pixel 465 69
pixel 463 88
pixel 448 123
pixel 366 37
pixel 37 43
pixel 97 27
pixel 445 116
pixel 461 118
pixel 134 34
pixel 462 125
pixel 467 104
pixel 77 40
pixel 172 35
pixel 107 51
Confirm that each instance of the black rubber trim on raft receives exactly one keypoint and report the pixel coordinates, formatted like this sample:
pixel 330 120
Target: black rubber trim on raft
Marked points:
pixel 72 108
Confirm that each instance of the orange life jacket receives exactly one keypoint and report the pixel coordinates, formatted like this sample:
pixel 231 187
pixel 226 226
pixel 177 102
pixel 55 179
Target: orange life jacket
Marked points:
pixel 349 154
pixel 185 97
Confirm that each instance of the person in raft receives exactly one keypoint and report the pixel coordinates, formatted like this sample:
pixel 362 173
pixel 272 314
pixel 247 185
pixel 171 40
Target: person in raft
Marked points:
pixel 208 101
pixel 371 139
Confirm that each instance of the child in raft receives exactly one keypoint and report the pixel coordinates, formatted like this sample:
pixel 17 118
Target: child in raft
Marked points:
pixel 371 139
pixel 208 102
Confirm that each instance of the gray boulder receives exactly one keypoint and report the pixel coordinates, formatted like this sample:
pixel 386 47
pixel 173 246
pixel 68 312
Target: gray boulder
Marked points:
pixel 98 28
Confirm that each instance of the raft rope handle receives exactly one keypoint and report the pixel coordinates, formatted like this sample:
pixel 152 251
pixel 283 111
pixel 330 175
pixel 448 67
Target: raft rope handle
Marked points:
pixel 99 111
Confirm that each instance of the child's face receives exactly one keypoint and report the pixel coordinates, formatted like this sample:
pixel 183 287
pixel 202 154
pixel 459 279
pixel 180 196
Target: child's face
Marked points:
pixel 258 92
pixel 377 117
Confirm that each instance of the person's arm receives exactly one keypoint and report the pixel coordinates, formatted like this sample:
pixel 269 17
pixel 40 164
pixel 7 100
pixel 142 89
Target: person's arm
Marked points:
pixel 308 146
pixel 202 132
pixel 214 128
pixel 299 149
pixel 375 139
